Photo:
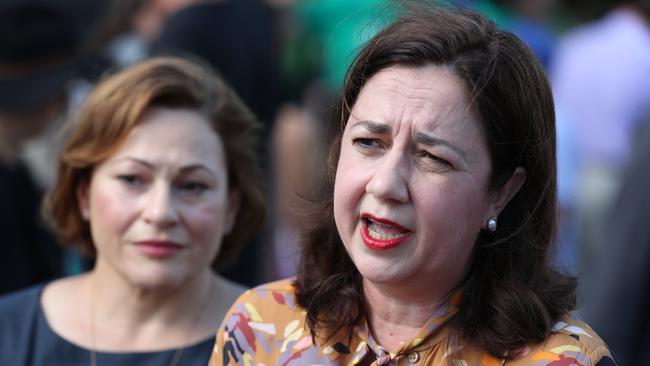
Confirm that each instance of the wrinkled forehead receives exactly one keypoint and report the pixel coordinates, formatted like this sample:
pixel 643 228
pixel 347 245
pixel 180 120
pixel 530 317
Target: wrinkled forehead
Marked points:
pixel 430 96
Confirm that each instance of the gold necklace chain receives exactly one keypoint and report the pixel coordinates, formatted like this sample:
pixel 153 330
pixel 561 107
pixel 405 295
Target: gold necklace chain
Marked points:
pixel 179 352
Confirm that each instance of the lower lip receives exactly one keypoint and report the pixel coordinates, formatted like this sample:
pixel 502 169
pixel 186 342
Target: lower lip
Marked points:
pixel 158 250
pixel 377 244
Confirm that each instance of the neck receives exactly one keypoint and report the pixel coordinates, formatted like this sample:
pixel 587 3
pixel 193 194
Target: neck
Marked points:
pixel 396 315
pixel 128 316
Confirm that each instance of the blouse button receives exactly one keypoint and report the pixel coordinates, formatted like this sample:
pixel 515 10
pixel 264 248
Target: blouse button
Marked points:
pixel 414 357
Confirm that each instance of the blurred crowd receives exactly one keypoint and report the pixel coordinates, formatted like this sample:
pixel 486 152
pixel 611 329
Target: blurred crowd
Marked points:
pixel 287 59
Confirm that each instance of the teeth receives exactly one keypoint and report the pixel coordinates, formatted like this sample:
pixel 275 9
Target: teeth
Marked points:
pixel 383 235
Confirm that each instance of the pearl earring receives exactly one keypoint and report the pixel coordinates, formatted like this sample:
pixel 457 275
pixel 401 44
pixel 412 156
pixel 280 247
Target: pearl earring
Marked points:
pixel 492 224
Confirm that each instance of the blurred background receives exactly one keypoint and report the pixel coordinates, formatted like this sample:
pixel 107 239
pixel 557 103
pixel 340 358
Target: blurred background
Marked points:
pixel 287 60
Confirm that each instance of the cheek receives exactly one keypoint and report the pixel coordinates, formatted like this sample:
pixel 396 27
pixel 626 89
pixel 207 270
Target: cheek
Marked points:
pixel 352 173
pixel 343 191
pixel 451 213
pixel 348 190
pixel 110 211
pixel 448 235
pixel 205 223
pixel 340 206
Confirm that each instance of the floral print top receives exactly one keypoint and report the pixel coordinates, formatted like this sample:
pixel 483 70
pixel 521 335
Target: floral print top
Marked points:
pixel 265 327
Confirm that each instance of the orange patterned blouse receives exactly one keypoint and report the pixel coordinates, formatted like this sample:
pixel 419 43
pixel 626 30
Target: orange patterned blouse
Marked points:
pixel 265 327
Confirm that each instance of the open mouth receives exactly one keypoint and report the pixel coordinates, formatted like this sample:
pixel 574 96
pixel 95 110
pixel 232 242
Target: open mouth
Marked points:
pixel 381 234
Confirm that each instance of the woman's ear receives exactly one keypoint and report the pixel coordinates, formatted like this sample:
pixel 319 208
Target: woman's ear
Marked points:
pixel 83 201
pixel 504 194
pixel 233 208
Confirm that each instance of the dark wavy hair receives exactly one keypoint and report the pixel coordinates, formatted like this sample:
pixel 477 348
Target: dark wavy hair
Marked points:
pixel 511 294
pixel 117 105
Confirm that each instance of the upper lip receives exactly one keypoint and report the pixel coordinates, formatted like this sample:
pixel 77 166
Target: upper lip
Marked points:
pixel 156 242
pixel 383 221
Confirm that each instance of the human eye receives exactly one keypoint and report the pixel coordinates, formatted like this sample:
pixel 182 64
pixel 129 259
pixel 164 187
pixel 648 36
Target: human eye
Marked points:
pixel 366 143
pixel 191 187
pixel 433 161
pixel 132 180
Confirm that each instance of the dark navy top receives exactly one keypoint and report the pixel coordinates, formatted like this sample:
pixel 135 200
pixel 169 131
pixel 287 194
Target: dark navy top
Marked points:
pixel 26 339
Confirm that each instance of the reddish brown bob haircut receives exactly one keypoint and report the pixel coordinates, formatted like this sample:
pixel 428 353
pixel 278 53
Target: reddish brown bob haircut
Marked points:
pixel 117 105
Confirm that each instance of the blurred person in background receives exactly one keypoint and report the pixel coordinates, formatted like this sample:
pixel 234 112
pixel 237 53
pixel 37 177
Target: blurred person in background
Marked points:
pixel 245 56
pixel 618 307
pixel 599 74
pixel 160 183
pixel 39 57
pixel 534 22
pixel 338 28
pixel 47 64
pixel 531 21
pixel 298 148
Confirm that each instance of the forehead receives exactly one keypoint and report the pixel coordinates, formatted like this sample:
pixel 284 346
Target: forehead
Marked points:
pixel 172 134
pixel 429 98
pixel 430 93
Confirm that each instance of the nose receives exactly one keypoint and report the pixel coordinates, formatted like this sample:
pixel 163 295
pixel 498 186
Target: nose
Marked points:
pixel 159 209
pixel 389 180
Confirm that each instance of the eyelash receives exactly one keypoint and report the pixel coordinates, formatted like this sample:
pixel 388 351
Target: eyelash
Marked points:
pixel 438 160
pixel 372 143
pixel 130 179
pixel 367 143
pixel 193 187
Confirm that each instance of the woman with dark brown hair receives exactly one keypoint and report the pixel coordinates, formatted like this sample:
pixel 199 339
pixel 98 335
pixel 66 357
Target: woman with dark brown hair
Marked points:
pixel 160 183
pixel 432 247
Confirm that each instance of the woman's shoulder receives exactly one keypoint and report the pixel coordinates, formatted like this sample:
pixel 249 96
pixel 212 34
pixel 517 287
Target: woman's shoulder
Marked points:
pixel 18 316
pixel 261 292
pixel 273 296
pixel 18 302
pixel 571 341
pixel 268 306
pixel 261 326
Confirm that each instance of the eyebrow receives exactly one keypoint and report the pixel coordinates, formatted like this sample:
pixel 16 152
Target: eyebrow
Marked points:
pixel 193 167
pixel 184 169
pixel 424 139
pixel 375 127
pixel 420 137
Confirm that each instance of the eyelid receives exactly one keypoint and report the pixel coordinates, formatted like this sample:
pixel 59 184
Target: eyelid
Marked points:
pixel 365 142
pixel 434 157
pixel 130 178
pixel 193 186
pixel 192 183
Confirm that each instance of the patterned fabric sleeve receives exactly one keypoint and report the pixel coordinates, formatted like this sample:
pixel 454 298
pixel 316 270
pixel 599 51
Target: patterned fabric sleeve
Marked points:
pixel 266 327
pixel 227 350
pixel 572 342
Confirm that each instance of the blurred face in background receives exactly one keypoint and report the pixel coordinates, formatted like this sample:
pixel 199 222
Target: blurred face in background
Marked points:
pixel 160 205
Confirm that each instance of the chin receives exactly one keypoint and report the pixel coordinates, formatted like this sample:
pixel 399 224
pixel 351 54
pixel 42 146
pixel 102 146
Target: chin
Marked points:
pixel 381 270
pixel 157 278
pixel 377 276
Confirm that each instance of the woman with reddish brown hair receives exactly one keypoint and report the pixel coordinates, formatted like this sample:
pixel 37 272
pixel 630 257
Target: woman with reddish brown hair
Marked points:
pixel 432 244
pixel 160 183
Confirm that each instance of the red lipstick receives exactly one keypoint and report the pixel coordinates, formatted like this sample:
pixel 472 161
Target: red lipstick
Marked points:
pixel 158 248
pixel 394 233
